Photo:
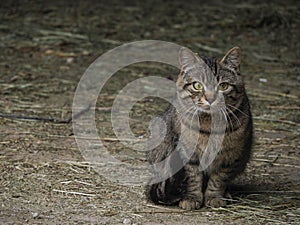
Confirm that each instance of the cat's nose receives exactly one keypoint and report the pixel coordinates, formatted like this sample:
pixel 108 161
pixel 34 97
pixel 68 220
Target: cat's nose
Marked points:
pixel 210 100
pixel 210 97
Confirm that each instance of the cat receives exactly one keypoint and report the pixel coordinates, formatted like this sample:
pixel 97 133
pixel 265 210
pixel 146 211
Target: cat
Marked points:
pixel 215 87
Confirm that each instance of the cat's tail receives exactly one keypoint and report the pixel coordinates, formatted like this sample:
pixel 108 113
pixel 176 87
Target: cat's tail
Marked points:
pixel 168 192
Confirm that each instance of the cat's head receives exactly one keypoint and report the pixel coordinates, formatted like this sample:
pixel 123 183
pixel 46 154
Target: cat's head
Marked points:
pixel 210 82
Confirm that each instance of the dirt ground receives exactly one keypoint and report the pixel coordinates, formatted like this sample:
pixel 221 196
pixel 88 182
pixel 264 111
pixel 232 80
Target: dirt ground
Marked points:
pixel 45 48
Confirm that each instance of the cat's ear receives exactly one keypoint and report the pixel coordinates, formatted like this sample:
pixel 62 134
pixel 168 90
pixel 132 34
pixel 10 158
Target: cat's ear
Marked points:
pixel 187 58
pixel 232 59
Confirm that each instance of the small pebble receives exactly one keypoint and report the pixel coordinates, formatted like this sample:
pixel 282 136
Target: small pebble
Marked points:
pixel 35 215
pixel 263 80
pixel 85 52
pixel 126 221
pixel 70 60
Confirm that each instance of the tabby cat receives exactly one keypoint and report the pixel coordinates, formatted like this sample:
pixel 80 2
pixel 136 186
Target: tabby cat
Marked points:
pixel 214 86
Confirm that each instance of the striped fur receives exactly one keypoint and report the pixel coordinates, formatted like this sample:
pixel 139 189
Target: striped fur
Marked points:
pixel 191 188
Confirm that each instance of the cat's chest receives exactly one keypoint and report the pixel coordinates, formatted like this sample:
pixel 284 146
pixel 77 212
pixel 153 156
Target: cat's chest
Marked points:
pixel 203 141
pixel 194 139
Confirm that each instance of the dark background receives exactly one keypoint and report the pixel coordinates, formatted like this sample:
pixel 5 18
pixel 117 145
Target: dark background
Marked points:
pixel 45 47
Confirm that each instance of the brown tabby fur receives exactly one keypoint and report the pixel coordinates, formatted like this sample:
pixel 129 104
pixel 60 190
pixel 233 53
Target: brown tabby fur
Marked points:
pixel 190 187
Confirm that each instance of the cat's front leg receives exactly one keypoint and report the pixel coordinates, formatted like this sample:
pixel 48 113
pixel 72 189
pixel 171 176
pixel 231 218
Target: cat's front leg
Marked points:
pixel 216 191
pixel 193 197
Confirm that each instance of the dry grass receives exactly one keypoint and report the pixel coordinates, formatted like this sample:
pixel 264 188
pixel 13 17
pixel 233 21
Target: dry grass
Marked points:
pixel 43 175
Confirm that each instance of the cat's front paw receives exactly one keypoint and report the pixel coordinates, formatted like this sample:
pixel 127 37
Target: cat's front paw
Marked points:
pixel 215 202
pixel 190 204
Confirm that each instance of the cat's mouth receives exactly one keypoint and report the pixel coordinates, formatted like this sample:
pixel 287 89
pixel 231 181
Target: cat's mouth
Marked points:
pixel 204 105
pixel 204 108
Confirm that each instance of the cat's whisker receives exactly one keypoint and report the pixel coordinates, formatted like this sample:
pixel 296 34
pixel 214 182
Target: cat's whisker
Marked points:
pixel 224 114
pixel 238 110
pixel 235 117
pixel 182 115
pixel 221 111
pixel 194 113
pixel 183 108
pixel 182 111
pixel 188 109
pixel 228 117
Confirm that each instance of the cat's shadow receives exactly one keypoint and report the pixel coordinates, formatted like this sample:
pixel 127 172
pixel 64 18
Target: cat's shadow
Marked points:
pixel 240 190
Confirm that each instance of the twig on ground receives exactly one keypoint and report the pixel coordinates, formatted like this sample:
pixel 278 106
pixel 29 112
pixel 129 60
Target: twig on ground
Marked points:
pixel 283 107
pixel 74 193
pixel 44 119
pixel 275 120
pixel 276 164
pixel 207 48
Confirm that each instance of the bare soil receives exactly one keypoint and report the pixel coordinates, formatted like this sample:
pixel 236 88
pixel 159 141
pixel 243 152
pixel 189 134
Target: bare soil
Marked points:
pixel 45 47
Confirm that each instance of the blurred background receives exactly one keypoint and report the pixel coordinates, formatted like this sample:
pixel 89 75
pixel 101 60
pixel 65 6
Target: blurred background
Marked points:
pixel 45 47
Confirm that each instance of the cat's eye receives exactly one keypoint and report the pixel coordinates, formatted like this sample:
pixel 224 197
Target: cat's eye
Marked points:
pixel 197 86
pixel 223 86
